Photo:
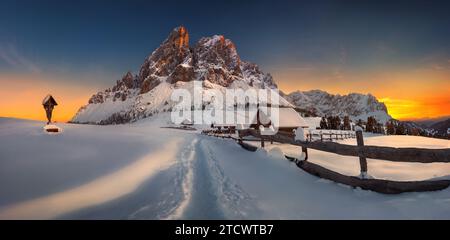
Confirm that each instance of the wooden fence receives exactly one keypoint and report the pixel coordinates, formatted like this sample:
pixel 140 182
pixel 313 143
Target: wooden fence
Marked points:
pixel 417 155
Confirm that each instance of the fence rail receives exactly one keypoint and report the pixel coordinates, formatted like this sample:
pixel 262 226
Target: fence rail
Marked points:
pixel 418 155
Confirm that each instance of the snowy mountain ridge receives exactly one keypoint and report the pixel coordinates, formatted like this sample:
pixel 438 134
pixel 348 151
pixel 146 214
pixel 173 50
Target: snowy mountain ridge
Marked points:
pixel 215 62
pixel 355 105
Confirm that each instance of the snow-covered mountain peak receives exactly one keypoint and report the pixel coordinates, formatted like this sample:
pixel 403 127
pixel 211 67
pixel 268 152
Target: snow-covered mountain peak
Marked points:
pixel 217 60
pixel 163 62
pixel 213 60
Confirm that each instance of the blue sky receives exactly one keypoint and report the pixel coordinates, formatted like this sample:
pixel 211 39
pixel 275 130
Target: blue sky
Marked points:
pixel 120 34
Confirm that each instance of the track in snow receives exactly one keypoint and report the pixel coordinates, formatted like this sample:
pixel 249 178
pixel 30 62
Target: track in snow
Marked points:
pixel 214 195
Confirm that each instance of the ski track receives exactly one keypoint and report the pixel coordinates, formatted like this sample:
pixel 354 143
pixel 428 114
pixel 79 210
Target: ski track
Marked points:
pixel 205 191
pixel 234 202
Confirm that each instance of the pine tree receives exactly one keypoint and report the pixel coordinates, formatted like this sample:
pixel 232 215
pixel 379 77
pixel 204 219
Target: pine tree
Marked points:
pixel 372 125
pixel 323 123
pixel 346 123
pixel 369 125
pixel 337 122
pixel 390 127
pixel 380 128
pixel 415 131
pixel 400 130
pixel 330 121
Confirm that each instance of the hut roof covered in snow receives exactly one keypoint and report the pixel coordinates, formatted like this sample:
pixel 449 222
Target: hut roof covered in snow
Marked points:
pixel 49 100
pixel 286 118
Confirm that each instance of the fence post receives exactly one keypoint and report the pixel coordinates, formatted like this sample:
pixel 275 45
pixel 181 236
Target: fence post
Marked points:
pixel 262 142
pixel 305 150
pixel 362 158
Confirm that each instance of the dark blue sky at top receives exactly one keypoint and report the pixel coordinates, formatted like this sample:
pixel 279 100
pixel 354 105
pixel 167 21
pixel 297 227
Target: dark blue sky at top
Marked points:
pixel 116 36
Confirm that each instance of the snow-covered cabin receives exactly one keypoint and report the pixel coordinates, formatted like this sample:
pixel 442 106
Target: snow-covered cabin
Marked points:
pixel 287 120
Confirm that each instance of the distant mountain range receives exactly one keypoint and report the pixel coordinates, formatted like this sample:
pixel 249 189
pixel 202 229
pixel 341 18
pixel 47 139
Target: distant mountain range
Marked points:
pixel 430 127
pixel 215 62
pixel 356 106
pixel 441 126
pixel 428 122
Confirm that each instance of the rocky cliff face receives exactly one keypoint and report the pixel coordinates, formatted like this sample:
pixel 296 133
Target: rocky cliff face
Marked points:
pixel 217 61
pixel 212 60
pixel 355 105
pixel 169 60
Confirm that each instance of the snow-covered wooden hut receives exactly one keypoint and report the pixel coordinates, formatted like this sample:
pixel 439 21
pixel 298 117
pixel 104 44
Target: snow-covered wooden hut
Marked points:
pixel 286 120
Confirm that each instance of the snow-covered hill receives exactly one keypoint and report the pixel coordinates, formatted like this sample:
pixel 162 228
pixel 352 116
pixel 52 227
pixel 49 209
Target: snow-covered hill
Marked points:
pixel 125 172
pixel 355 105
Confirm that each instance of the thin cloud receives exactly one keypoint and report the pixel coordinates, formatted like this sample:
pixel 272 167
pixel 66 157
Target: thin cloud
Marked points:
pixel 10 55
pixel 343 56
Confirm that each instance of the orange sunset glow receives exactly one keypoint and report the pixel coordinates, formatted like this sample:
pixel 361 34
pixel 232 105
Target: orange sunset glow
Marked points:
pixel 22 95
pixel 408 94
